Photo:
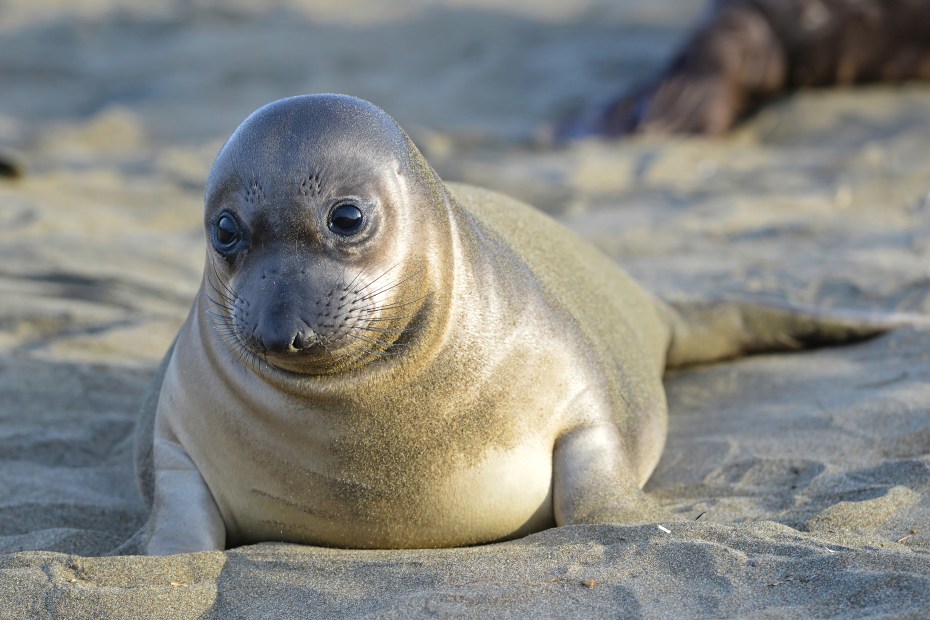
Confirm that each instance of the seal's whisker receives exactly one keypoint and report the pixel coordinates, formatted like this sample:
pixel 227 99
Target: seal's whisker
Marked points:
pixel 398 303
pixel 371 351
pixel 229 337
pixel 415 299
pixel 243 188
pixel 393 353
pixel 225 323
pixel 247 357
pixel 210 280
pixel 224 330
pixel 219 304
pixel 362 312
pixel 254 362
pixel 378 308
pixel 357 276
pixel 221 317
pixel 223 306
pixel 375 314
pixel 216 274
pixel 236 347
pixel 389 318
pixel 219 320
pixel 383 330
pixel 388 287
pixel 222 302
pixel 365 340
pixel 375 354
pixel 219 292
pixel 394 349
pixel 357 291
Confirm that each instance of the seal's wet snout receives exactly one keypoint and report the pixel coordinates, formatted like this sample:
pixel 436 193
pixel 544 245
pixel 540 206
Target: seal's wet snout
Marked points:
pixel 286 337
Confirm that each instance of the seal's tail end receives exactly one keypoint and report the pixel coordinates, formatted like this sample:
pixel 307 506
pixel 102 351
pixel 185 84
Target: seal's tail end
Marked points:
pixel 709 331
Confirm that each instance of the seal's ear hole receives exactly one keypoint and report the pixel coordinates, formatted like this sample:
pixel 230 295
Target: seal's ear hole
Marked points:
pixel 345 219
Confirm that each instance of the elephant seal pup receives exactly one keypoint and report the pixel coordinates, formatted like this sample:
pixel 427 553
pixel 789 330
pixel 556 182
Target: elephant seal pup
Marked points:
pixel 377 360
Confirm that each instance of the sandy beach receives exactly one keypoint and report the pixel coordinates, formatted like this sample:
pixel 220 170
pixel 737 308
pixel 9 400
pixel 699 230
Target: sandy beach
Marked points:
pixel 800 482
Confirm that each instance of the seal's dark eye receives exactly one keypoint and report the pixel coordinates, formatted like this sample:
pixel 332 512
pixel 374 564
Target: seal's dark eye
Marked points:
pixel 226 233
pixel 345 219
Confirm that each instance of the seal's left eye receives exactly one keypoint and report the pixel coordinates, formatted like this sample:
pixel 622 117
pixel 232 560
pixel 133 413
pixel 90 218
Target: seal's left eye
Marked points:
pixel 345 219
pixel 227 233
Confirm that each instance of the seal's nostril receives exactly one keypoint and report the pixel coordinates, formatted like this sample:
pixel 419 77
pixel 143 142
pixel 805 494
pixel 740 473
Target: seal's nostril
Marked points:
pixel 303 340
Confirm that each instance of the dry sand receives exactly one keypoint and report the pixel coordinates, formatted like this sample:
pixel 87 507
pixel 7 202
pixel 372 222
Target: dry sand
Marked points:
pixel 802 481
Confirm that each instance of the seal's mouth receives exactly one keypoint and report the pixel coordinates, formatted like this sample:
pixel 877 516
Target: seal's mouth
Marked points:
pixel 314 359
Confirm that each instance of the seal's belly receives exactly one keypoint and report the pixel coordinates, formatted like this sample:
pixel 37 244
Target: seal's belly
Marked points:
pixel 505 495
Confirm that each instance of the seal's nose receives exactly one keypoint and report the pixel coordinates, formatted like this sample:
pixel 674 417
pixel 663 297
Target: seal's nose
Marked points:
pixel 282 341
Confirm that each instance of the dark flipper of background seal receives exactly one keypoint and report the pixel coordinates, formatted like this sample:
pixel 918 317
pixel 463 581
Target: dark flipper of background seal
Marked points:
pixel 11 166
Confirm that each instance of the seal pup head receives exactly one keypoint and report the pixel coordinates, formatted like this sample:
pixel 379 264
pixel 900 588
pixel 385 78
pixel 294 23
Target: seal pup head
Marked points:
pixel 319 212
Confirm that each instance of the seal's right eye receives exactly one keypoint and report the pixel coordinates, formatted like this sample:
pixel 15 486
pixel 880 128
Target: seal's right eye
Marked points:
pixel 345 219
pixel 226 233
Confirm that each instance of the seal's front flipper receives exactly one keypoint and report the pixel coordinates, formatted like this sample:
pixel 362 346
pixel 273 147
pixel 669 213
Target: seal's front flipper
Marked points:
pixel 709 331
pixel 185 517
pixel 593 482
